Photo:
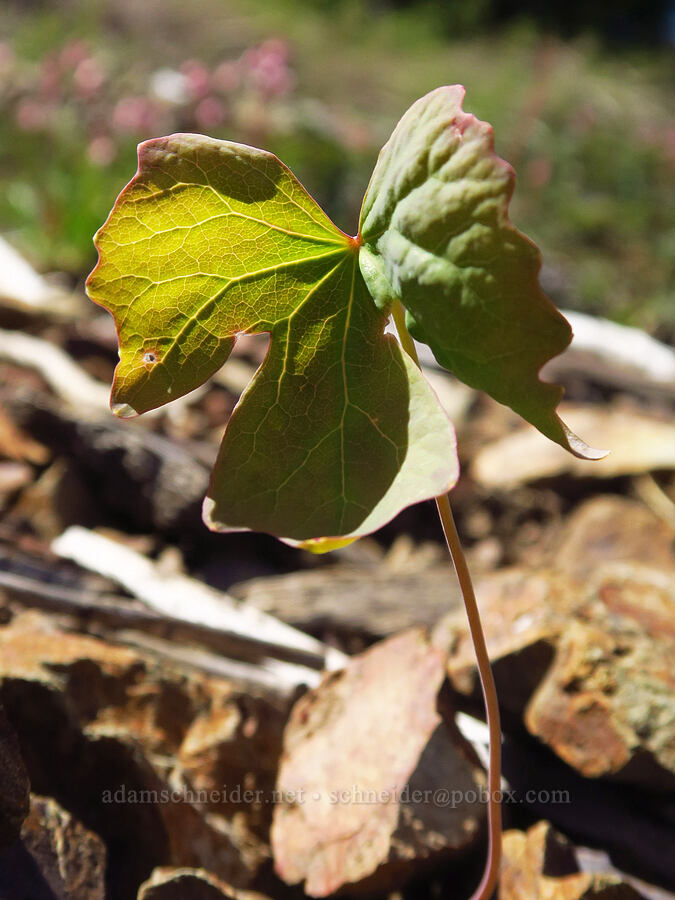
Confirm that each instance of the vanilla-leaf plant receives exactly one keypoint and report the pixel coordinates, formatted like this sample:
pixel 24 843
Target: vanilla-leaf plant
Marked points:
pixel 338 430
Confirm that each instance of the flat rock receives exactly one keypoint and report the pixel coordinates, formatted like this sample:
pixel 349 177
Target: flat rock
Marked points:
pixel 611 528
pixel 541 863
pixel 523 613
pixel 363 797
pixel 190 884
pixel 128 744
pixel 56 858
pixel 379 600
pixel 638 442
pixel 607 706
pixel 587 667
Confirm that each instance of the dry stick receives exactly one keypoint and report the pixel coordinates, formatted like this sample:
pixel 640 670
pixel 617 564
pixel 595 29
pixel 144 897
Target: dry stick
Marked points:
pixel 491 873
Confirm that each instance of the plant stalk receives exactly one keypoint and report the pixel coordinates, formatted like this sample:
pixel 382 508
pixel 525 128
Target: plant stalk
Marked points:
pixel 491 874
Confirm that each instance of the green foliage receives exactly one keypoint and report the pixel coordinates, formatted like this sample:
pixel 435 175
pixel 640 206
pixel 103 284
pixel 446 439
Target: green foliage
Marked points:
pixel 593 192
pixel 436 217
pixel 338 430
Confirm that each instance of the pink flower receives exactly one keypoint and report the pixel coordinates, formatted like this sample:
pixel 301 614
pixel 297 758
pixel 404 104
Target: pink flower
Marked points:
pixel 354 135
pixel 267 68
pixel 101 151
pixel 198 78
pixel 73 53
pixel 31 115
pixel 134 115
pixel 51 77
pixel 210 113
pixel 670 144
pixel 226 77
pixel 88 76
pixel 6 57
pixel 538 171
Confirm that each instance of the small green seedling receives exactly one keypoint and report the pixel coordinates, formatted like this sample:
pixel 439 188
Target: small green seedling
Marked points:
pixel 338 430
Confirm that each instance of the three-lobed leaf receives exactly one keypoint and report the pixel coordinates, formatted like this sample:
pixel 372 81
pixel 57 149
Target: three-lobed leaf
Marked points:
pixel 338 431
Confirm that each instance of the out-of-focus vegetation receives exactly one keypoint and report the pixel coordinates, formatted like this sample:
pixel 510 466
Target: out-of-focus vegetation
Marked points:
pixel 588 125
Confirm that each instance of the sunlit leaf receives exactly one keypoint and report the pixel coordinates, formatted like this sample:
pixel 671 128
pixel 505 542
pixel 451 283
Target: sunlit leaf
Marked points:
pixel 338 430
pixel 437 236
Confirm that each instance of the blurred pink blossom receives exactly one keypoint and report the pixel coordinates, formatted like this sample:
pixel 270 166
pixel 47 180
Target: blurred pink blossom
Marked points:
pixel 88 76
pixel 134 115
pixel 51 77
pixel 210 113
pixel 670 144
pixel 354 135
pixel 101 151
pixel 226 77
pixel 73 53
pixel 32 115
pixel 538 171
pixel 198 77
pixel 267 68
pixel 6 57
pixel 584 119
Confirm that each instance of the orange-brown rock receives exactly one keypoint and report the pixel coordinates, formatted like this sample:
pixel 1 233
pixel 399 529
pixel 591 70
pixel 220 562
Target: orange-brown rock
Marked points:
pixel 373 783
pixel 607 705
pixel 128 742
pixel 540 863
pixel 611 529
pixel 56 856
pixel 523 613
pixel 588 666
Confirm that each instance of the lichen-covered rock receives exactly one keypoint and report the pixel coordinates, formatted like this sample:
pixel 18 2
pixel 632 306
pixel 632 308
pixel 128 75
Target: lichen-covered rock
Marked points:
pixel 374 784
pixel 523 613
pixel 56 858
pixel 588 667
pixel 607 705
pixel 540 863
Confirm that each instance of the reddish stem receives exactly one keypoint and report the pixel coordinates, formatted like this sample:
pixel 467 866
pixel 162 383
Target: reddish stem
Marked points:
pixel 491 874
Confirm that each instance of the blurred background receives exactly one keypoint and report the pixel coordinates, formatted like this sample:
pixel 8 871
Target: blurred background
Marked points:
pixel 580 96
pixel 133 653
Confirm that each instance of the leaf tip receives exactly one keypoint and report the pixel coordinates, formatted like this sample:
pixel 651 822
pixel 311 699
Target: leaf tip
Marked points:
pixel 123 410
pixel 580 448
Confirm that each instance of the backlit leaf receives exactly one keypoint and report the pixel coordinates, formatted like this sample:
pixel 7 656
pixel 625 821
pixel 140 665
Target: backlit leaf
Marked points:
pixel 338 430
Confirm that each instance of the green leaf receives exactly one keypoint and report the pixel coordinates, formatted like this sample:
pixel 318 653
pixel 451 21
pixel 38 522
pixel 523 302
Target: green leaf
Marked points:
pixel 437 236
pixel 338 431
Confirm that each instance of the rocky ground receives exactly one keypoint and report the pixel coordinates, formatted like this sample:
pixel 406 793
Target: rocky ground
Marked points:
pixel 167 727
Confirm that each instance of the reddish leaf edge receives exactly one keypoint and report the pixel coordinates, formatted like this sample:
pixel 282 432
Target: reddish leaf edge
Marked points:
pixel 326 543
pixel 567 439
